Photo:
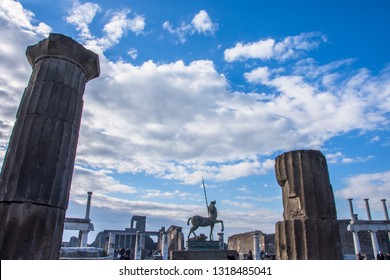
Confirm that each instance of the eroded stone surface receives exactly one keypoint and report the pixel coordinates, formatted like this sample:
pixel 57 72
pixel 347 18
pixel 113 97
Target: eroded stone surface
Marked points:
pixel 310 228
pixel 38 166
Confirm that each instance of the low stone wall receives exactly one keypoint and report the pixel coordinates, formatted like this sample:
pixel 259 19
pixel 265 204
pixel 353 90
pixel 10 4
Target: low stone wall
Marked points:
pixel 242 243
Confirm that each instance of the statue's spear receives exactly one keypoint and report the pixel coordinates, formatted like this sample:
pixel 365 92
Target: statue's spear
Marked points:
pixel 205 196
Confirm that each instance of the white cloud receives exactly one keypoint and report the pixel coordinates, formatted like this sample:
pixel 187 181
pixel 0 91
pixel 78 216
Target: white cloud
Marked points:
pixel 99 181
pixel 119 25
pixel 81 15
pixel 258 75
pixel 180 121
pixel 374 186
pixel 239 204
pixel 14 13
pixel 133 53
pixel 262 49
pixel 201 23
pixel 19 30
pixel 375 139
pixel 340 158
pixel 289 47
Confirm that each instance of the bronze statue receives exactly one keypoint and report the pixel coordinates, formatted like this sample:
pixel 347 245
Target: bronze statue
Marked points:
pixel 199 221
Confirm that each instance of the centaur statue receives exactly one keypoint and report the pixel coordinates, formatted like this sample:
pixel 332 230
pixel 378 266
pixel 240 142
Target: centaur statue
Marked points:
pixel 198 221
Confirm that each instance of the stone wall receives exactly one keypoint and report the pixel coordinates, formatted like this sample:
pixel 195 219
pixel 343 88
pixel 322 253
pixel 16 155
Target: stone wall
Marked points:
pixel 243 243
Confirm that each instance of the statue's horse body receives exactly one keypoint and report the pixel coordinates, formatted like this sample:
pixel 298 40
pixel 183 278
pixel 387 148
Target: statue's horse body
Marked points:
pixel 199 221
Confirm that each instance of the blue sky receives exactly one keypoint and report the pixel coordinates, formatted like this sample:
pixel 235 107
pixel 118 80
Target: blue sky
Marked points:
pixel 214 89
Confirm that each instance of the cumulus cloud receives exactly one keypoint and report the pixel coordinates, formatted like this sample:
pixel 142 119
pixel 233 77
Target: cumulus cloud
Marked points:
pixel 98 180
pixel 201 24
pixel 82 15
pixel 374 186
pixel 19 30
pixel 180 120
pixel 265 49
pixel 340 158
pixel 14 14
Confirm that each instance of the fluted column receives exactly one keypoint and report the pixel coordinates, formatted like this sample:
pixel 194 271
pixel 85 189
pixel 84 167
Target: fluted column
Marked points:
pixel 37 170
pixel 309 230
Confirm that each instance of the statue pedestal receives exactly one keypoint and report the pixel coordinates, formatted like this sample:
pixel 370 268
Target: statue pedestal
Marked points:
pixel 205 255
pixel 202 245
pixel 204 250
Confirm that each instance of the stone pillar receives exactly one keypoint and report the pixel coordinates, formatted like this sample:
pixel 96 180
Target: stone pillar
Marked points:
pixel 386 214
pixel 355 234
pixel 221 241
pixel 165 246
pixel 84 239
pixel 138 246
pixel 374 239
pixel 88 208
pixel 83 235
pixel 111 244
pixel 37 170
pixel 309 230
pixel 256 246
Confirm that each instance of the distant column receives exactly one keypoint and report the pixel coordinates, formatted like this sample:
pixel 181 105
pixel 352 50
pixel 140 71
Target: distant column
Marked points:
pixel 37 171
pixel 111 244
pixel 221 241
pixel 374 239
pixel 138 246
pixel 355 234
pixel 256 247
pixel 386 214
pixel 88 208
pixel 164 250
pixel 84 239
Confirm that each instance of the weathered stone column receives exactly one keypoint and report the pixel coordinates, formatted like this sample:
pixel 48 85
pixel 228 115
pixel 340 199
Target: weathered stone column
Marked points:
pixel 310 229
pixel 111 244
pixel 355 234
pixel 386 214
pixel 256 247
pixel 138 246
pixel 221 241
pixel 37 170
pixel 374 239
pixel 165 246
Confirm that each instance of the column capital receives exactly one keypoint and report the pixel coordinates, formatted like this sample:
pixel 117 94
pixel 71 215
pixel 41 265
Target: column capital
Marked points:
pixel 61 46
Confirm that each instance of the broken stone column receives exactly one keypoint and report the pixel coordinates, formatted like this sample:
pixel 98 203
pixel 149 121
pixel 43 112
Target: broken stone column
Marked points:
pixel 309 230
pixel 37 170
